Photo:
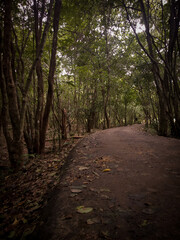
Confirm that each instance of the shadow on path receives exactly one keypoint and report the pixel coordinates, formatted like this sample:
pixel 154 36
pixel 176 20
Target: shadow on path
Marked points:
pixel 120 184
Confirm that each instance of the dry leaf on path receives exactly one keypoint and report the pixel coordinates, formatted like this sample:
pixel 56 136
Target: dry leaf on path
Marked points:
pixel 82 168
pixel 107 170
pixel 91 221
pixel 75 190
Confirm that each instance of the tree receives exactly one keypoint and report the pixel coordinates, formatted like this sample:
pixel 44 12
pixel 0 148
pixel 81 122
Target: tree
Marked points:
pixel 10 95
pixel 161 22
pixel 52 68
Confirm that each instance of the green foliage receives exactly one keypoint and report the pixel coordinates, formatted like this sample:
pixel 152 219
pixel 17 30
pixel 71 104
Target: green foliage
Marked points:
pixel 101 71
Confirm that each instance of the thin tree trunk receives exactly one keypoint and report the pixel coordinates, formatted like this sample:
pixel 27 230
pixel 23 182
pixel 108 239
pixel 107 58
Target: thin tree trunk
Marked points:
pixel 125 112
pixel 39 109
pixel 15 145
pixel 163 118
pixel 64 124
pixel 58 117
pixel 50 76
pixel 39 71
pixel 107 19
pixel 9 93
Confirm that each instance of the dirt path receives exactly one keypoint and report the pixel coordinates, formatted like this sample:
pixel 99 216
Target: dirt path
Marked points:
pixel 130 179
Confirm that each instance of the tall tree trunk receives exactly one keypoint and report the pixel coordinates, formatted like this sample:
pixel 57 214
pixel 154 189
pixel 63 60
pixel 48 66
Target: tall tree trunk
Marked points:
pixel 107 20
pixel 50 76
pixel 14 144
pixel 125 112
pixel 39 71
pixel 64 124
pixel 163 108
pixel 92 112
pixel 167 86
pixel 39 109
pixel 162 84
pixel 58 115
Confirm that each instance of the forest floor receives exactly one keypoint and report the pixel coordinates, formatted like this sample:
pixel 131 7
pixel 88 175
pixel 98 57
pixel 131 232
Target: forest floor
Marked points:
pixel 120 183
pixel 23 194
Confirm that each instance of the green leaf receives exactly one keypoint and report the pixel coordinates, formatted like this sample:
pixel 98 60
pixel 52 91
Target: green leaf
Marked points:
pixel 82 209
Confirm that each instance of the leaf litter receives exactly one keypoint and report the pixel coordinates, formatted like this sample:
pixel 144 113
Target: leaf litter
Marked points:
pixel 23 194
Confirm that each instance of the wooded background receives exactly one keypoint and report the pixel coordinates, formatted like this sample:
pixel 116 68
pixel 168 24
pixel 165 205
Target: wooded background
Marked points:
pixel 67 67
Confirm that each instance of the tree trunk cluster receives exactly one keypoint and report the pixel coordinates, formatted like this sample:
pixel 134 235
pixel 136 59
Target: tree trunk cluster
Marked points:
pixel 15 89
pixel 164 64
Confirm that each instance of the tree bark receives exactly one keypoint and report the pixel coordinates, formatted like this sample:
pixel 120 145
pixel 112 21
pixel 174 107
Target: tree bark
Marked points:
pixel 14 144
pixel 50 76
pixel 16 112
pixel 64 124
pixel 107 18
pixel 39 71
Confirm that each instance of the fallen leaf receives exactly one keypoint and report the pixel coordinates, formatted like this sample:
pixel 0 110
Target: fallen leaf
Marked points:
pixel 105 197
pixel 107 170
pixel 73 195
pixel 91 221
pixel 96 173
pixel 76 190
pixel 37 206
pixel 85 182
pixel 67 217
pixel 94 190
pixel 15 222
pixel 144 223
pixel 83 209
pixel 82 168
pixel 105 234
pixel 56 160
pixel 52 174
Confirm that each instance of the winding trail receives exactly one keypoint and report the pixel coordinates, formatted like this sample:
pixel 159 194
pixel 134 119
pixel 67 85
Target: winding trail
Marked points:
pixel 129 178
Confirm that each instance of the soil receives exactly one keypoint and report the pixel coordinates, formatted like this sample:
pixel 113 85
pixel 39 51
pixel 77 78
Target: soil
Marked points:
pixel 120 183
